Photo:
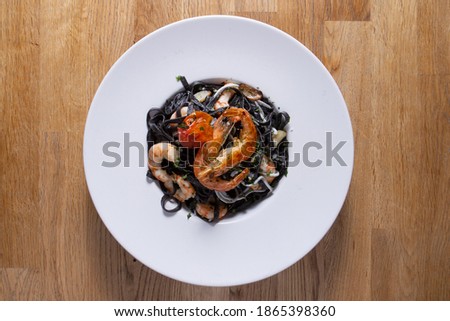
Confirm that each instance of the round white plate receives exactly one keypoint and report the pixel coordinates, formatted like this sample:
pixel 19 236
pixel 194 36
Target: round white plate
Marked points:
pixel 249 246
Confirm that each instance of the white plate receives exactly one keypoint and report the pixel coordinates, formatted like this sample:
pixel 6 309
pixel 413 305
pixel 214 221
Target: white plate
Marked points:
pixel 249 246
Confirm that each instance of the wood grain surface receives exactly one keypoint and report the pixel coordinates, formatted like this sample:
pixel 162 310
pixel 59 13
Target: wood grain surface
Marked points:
pixel 391 60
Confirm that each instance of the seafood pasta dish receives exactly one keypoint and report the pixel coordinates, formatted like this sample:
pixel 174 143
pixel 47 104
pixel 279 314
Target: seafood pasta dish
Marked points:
pixel 216 148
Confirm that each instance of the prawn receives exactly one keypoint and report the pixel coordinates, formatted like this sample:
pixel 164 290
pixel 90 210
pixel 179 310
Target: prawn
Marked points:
pixel 207 211
pixel 267 169
pixel 211 162
pixel 156 155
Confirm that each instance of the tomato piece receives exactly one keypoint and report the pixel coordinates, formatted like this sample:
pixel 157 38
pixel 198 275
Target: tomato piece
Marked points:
pixel 195 129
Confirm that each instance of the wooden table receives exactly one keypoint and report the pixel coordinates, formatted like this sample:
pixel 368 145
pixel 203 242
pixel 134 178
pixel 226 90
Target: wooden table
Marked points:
pixel 391 60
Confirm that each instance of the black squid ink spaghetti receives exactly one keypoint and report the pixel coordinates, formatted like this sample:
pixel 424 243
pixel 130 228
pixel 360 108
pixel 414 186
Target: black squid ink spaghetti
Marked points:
pixel 216 148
